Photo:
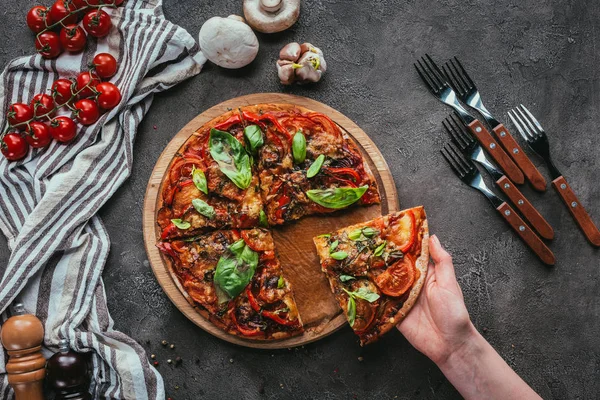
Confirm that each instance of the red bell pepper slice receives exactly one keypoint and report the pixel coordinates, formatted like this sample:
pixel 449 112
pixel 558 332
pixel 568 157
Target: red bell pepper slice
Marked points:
pixel 253 303
pixel 275 317
pixel 223 126
pixel 171 228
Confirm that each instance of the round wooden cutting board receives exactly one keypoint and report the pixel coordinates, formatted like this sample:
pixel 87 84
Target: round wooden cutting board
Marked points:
pixel 318 308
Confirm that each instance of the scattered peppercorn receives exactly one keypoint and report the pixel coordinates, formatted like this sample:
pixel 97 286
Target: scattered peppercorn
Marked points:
pixel 178 360
pixel 197 361
pixel 156 363
pixel 172 346
pixel 153 356
pixel 169 361
pixel 360 358
pixel 164 342
pixel 231 360
pixel 176 387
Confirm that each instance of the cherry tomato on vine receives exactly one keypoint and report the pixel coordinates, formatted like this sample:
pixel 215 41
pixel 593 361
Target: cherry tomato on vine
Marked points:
pixel 63 129
pixel 13 146
pixel 97 23
pixel 87 111
pixel 38 135
pixel 90 79
pixel 109 95
pixel 48 44
pixel 73 38
pixel 61 9
pixel 18 113
pixel 105 65
pixel 38 18
pixel 81 3
pixel 62 90
pixel 42 104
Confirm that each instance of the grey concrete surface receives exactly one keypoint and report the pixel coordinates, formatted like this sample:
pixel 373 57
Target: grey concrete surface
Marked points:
pixel 544 321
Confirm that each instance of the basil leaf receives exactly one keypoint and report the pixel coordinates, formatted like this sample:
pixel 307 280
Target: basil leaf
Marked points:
pixel 355 235
pixel 181 224
pixel 351 311
pixel 339 255
pixel 231 156
pixel 336 197
pixel 204 208
pixel 333 246
pixel 315 167
pixel 235 270
pixel 254 136
pixel 369 232
pixel 299 147
pixel 199 180
pixel 325 235
pixel 280 283
pixel 262 219
pixel 379 250
pixel 346 278
pixel 366 294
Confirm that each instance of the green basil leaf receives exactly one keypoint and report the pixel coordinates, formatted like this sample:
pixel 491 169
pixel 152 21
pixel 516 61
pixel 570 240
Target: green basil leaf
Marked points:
pixel 351 311
pixel 315 167
pixel 325 235
pixel 199 180
pixel 366 294
pixel 280 283
pixel 336 197
pixel 235 270
pixel 237 247
pixel 262 219
pixel 333 246
pixel 299 147
pixel 379 250
pixel 204 208
pixel 355 235
pixel 346 278
pixel 181 224
pixel 369 232
pixel 254 137
pixel 339 255
pixel 231 156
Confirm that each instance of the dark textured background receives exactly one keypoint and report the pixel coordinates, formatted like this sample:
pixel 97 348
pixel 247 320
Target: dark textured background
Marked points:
pixel 543 321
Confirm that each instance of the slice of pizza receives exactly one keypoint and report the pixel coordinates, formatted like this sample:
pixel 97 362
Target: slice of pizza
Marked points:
pixel 212 182
pixel 234 279
pixel 376 269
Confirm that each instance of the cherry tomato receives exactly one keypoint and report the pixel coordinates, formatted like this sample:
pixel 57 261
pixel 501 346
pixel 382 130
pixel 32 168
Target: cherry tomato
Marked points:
pixel 105 65
pixel 18 113
pixel 42 104
pixel 87 111
pixel 97 23
pixel 62 91
pixel 81 3
pixel 63 129
pixel 48 44
pixel 109 95
pixel 73 38
pixel 38 134
pixel 38 18
pixel 398 278
pixel 119 2
pixel 90 79
pixel 60 9
pixel 404 229
pixel 13 146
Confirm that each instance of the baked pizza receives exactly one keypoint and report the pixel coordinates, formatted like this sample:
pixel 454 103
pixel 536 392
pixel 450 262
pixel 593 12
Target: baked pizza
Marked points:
pixel 234 279
pixel 376 269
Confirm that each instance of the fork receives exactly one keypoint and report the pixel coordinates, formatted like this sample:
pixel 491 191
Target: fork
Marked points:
pixel 437 84
pixel 466 91
pixel 467 172
pixel 536 138
pixel 470 148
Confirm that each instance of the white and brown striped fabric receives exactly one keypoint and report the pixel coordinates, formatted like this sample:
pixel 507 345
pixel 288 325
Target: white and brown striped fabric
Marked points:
pixel 49 200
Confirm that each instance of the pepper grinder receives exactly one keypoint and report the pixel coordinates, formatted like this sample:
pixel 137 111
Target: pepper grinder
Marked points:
pixel 68 373
pixel 22 336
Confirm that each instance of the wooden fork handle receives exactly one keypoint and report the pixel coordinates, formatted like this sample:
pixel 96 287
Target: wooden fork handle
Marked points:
pixel 520 158
pixel 532 215
pixel 526 234
pixel 583 219
pixel 498 154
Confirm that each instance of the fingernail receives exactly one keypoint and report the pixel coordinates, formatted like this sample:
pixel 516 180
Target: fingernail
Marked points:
pixel 436 240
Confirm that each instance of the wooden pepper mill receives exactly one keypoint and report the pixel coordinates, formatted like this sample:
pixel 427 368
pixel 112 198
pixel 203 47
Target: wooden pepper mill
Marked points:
pixel 68 373
pixel 22 336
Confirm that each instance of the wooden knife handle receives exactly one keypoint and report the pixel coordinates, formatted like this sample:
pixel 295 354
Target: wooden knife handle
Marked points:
pixel 526 208
pixel 526 233
pixel 498 154
pixel 520 158
pixel 577 211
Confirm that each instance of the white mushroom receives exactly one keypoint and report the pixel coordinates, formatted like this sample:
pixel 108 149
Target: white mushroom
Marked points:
pixel 270 16
pixel 228 42
pixel 300 63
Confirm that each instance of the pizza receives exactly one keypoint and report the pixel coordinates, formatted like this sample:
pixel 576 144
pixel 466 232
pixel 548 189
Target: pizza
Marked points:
pixel 234 279
pixel 237 176
pixel 376 269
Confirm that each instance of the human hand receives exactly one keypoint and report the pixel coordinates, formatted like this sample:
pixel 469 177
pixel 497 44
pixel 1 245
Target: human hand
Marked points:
pixel 438 325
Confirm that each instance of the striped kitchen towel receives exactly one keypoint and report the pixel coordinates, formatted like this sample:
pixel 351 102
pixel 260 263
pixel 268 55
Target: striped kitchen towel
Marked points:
pixel 49 200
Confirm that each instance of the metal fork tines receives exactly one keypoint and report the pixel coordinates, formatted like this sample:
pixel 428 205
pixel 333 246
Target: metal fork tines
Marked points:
pixel 467 91
pixel 471 149
pixel 535 136
pixel 439 87
pixel 468 173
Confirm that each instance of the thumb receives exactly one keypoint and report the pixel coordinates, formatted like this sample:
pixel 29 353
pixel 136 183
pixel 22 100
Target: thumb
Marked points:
pixel 444 269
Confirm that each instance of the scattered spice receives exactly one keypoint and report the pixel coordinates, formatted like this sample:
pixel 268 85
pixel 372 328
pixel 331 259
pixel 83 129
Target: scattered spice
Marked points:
pixel 178 360
pixel 176 387
pixel 155 128
pixel 231 360
pixel 172 346
pixel 156 363
pixel 153 356
pixel 169 361
pixel 164 342
pixel 360 358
